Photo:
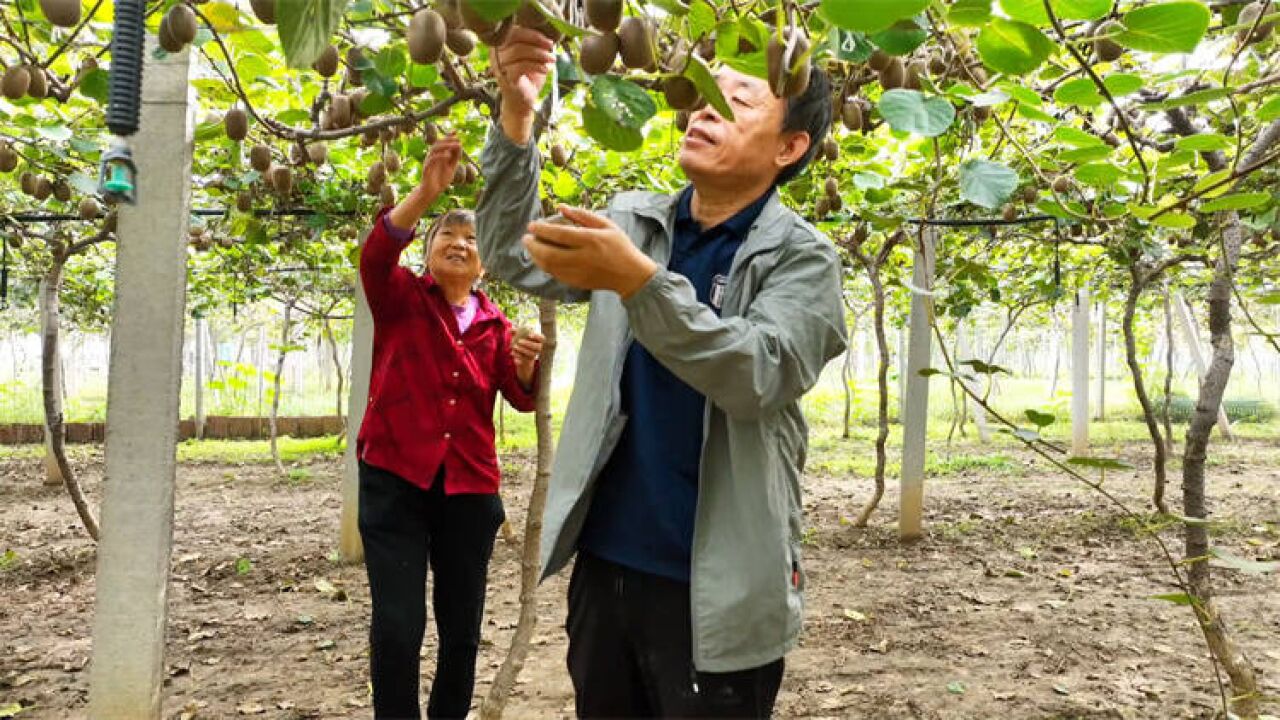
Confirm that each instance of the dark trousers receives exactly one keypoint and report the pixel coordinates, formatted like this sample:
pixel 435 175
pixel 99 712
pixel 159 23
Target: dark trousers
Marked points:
pixel 631 655
pixel 405 529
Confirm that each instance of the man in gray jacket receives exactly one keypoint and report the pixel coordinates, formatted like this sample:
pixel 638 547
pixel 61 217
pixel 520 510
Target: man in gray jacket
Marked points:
pixel 677 478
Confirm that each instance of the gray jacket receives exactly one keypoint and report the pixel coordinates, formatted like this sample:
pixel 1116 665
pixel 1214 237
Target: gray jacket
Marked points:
pixel 782 321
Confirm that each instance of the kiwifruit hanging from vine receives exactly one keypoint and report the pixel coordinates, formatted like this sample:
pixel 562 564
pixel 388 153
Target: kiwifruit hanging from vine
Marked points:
pixel 789 79
pixel 44 188
pixel 16 81
pixel 182 23
pixel 635 43
pixel 236 123
pixel 265 10
pixel 377 175
pixel 831 149
pixel 681 93
pixel 1030 194
pixel 461 41
pixel 1062 184
pixel 490 33
pixel 297 154
pixel 460 175
pixel 340 111
pixel 61 190
pixel 260 158
pixel 1009 212
pixel 851 114
pixel 682 120
pixel 318 153
pixel 387 195
pixel 38 88
pixel 426 37
pixel 1248 16
pixel 598 53
pixel 559 156
pixel 471 172
pixel 244 201
pixel 89 209
pixel 837 203
pixel 430 133
pixel 938 64
pixel 355 58
pixel 282 180
pixel 822 208
pixel 357 102
pixel 879 60
pixel 894 75
pixel 63 13
pixel 707 48
pixel 27 182
pixel 327 64
pixel 604 15
pixel 530 16
pixel 831 187
pixel 166 37
pixel 915 70
pixel 8 158
pixel 1107 49
pixel 369 138
pixel 391 160
pixel 449 11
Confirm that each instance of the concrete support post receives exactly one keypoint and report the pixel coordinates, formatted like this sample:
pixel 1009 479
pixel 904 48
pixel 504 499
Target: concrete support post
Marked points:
pixel 199 379
pixel 1191 338
pixel 349 546
pixel 1101 413
pixel 1080 374
pixel 915 421
pixel 142 403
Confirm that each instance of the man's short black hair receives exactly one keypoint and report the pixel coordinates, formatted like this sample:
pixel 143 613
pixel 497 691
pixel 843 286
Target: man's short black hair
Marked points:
pixel 809 112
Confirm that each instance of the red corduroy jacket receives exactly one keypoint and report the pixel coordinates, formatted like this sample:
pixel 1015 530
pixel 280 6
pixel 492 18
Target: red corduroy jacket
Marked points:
pixel 432 389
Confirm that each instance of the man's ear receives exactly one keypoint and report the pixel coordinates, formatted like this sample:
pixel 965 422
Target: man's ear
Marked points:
pixel 794 146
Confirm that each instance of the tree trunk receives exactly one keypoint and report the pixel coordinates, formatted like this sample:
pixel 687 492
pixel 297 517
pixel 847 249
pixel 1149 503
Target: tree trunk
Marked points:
pixel 1168 372
pixel 882 395
pixel 530 556
pixel 275 398
pixel 845 380
pixel 1136 284
pixel 1102 362
pixel 338 371
pixel 53 421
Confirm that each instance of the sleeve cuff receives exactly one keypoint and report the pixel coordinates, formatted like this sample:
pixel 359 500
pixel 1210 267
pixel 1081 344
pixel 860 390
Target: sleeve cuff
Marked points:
pixel 400 235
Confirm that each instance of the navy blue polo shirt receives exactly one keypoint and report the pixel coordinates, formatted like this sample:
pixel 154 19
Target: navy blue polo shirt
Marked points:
pixel 642 513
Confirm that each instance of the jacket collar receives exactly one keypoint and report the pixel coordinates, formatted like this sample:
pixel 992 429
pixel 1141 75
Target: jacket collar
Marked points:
pixel 485 310
pixel 765 234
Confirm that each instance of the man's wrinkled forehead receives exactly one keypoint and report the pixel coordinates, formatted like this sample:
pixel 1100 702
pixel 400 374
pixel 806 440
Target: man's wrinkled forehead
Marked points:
pixel 731 80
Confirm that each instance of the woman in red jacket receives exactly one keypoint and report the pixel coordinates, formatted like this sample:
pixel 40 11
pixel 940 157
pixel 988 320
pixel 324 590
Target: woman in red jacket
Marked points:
pixel 428 468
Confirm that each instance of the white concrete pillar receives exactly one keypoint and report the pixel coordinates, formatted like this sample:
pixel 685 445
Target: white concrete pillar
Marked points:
pixel 349 546
pixel 1101 413
pixel 915 419
pixel 1080 374
pixel 199 379
pixel 1191 338
pixel 142 403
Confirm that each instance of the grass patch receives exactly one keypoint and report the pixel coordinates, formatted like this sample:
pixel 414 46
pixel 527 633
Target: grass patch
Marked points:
pixel 259 451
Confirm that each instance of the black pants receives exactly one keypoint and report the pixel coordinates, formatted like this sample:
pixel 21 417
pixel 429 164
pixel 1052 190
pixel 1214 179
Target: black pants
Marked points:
pixel 405 529
pixel 631 655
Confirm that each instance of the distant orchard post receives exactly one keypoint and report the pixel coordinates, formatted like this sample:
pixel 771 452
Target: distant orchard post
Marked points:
pixel 349 546
pixel 915 420
pixel 142 403
pixel 1080 374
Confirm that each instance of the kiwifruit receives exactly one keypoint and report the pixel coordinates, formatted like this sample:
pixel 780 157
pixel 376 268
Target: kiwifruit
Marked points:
pixel 182 23
pixel 831 187
pixel 318 153
pixel 87 65
pixel 282 179
pixel 894 75
pixel 490 33
pixel 1248 16
pixel 449 11
pixel 27 182
pixel 560 156
pixel 166 37
pixel 879 60
pixel 16 81
pixel 357 102
pixel 604 15
pixel 598 53
pixel 682 120
pixel 837 203
pixel 1061 184
pixel 707 48
pixel 1030 194
pixel 426 36
pixel 39 86
pixel 981 114
pixel 89 209
pixel 226 242
pixel 377 175
pixel 979 76
pixel 236 124
pixel 822 208
pixel 369 138
pixel 297 154
pixel 915 70
pixel 265 10
pixel 61 191
pixel 340 111
pixel 472 174
pixel 681 93
pixel 831 149
pixel 260 158
pixel 355 57
pixel 111 222
pixel 15 241
pixel 44 188
pixel 938 64
pixel 635 43
pixel 460 175
pixel 529 16
pixel 1107 49
pixel 391 160
pixel 1111 139
pixel 244 201
pixel 430 133
pixel 1009 212
pixel 387 195
pixel 8 158
pixel 784 81
pixel 327 64
pixel 461 41
pixel 851 114
pixel 63 13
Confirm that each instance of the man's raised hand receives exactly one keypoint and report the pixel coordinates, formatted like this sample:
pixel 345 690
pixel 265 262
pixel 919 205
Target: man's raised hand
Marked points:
pixel 521 66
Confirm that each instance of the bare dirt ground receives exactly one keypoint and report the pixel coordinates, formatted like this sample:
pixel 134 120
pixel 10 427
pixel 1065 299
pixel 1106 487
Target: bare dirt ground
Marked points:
pixel 1028 599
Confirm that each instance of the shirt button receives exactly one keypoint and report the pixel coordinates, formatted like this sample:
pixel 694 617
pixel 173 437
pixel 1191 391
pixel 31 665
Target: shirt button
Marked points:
pixel 448 436
pixel 455 373
pixel 453 401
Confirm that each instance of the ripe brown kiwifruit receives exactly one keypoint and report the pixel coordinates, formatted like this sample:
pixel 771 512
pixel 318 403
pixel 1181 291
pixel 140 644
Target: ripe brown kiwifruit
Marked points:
pixel 1009 212
pixel 16 81
pixel 89 209
pixel 391 161
pixel 355 57
pixel 981 114
pixel 15 241
pixel 8 158
pixel 369 138
pixel 1111 139
pixel 430 133
pixel 260 158
pixel 894 75
pixel 297 154
pixel 681 93
pixel 831 187
pixel 559 156
pixel 386 135
pixel 784 81
pixel 387 195
pixel 490 33
pixel 604 15
pixel 236 124
pixel 39 87
pixel 831 149
pixel 448 10
pixel 327 64
pixel 377 175
pixel 707 48
pixel 599 53
pixel 529 16
pixel 44 188
pixel 182 23
pixel 63 13
pixel 472 174
pixel 357 102
pixel 1062 184
pixel 426 37
pixel 1107 49
pixel 265 10
pixel 938 64
pixel 27 182
pixel 682 120
pixel 282 180
pixel 837 203
pixel 61 191
pixel 879 60
pixel 635 43
pixel 244 201
pixel 461 41
pixel 915 70
pixel 1248 16
pixel 167 39
pixel 460 175
pixel 340 111
pixel 822 208
pixel 851 114
pixel 1030 194
pixel 226 242
pixel 318 153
